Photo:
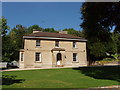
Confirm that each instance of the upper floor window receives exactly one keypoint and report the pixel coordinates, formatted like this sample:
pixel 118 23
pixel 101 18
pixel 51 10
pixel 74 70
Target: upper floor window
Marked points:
pixel 74 57
pixel 56 43
pixel 21 56
pixel 37 42
pixel 38 56
pixel 74 44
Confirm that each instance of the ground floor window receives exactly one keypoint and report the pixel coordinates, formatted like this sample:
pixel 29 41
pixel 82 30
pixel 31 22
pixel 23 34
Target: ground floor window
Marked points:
pixel 22 56
pixel 38 56
pixel 75 57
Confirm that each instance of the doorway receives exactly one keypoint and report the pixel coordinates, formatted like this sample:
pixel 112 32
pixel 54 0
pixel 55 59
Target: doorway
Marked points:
pixel 59 59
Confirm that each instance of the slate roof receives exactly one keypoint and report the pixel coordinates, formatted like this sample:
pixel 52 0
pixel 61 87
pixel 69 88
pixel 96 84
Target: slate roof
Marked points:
pixel 52 35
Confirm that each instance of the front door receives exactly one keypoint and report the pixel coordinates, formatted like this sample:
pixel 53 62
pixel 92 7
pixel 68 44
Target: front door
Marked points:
pixel 59 59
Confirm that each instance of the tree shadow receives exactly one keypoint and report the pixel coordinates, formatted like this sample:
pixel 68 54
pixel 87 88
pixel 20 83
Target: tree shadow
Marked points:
pixel 8 80
pixel 101 72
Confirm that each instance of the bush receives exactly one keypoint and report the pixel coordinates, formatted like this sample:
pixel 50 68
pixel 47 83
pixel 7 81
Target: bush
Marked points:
pixel 106 60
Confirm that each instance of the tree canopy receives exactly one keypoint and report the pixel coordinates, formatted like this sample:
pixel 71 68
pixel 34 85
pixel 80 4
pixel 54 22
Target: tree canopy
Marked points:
pixel 101 15
pixel 4 28
pixel 100 23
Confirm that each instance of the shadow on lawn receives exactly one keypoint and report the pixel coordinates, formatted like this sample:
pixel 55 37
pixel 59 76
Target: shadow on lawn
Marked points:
pixel 101 72
pixel 8 80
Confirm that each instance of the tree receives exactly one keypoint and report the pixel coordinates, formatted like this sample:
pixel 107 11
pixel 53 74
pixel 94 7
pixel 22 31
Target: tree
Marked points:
pixel 49 30
pixel 30 29
pixel 98 20
pixel 101 16
pixel 116 39
pixel 8 49
pixel 74 32
pixel 16 38
pixel 5 39
pixel 4 28
pixel 97 50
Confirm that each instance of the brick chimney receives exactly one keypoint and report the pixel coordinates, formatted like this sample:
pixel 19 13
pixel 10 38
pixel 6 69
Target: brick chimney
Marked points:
pixel 63 32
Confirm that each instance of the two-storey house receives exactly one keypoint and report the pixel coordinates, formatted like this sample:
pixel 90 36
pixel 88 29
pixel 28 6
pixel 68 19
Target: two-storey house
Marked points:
pixel 45 49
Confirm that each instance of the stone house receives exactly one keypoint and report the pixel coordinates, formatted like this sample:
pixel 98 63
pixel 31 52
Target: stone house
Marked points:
pixel 45 49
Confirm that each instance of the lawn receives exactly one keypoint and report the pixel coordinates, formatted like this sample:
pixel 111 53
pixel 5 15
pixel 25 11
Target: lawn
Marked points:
pixel 62 78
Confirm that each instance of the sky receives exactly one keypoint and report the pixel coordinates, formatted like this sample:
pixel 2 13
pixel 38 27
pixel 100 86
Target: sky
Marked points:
pixel 57 15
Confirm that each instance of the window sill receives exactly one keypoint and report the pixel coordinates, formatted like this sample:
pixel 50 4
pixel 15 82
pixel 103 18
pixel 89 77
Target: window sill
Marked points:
pixel 75 62
pixel 38 47
pixel 74 48
pixel 38 62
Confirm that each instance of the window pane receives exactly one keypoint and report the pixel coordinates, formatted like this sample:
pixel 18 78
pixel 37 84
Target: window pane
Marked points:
pixel 57 43
pixel 74 44
pixel 37 42
pixel 21 56
pixel 38 57
pixel 74 56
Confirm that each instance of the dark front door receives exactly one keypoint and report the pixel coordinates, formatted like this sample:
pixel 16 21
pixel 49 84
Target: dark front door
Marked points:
pixel 59 59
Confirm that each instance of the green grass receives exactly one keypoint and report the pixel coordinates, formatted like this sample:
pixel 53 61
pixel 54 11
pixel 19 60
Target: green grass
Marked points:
pixel 55 78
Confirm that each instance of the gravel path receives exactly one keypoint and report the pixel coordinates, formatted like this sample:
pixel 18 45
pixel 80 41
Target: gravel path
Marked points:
pixel 114 87
pixel 19 69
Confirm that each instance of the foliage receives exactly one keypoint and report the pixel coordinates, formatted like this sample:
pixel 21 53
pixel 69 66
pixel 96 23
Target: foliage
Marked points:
pixel 4 28
pixel 108 59
pixel 8 49
pixel 5 40
pixel 49 30
pixel 13 43
pixel 30 29
pixel 97 50
pixel 116 39
pixel 98 20
pixel 105 61
pixel 64 78
pixel 111 47
pixel 99 16
pixel 16 35
pixel 115 56
pixel 74 32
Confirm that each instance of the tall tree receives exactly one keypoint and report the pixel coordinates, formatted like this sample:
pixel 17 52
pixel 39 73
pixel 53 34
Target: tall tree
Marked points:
pixel 101 16
pixel 16 37
pixel 4 28
pixel 31 28
pixel 98 20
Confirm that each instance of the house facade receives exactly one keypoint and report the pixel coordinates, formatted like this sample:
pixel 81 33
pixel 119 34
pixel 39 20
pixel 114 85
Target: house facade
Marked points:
pixel 45 49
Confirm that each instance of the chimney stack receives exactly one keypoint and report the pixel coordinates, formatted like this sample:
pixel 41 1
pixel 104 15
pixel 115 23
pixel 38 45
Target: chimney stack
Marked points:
pixel 63 32
pixel 36 30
